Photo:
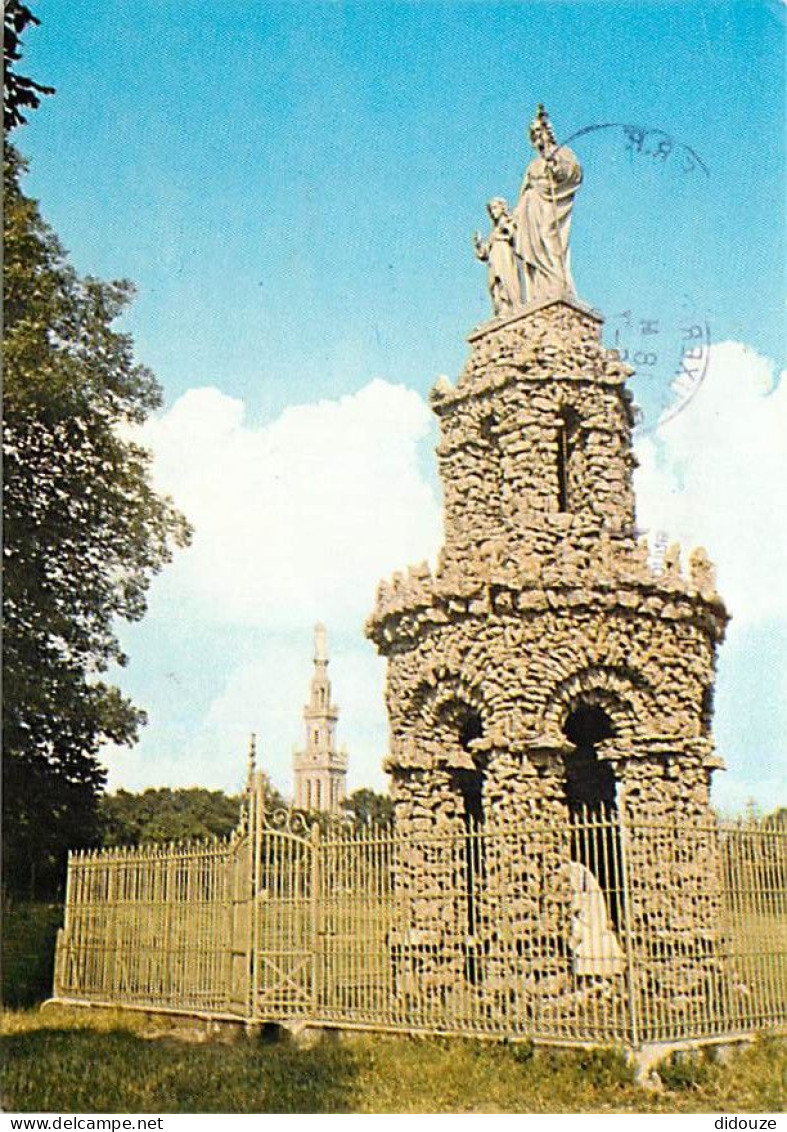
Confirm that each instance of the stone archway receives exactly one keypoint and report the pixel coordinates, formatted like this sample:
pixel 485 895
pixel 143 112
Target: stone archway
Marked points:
pixel 459 725
pixel 625 696
pixel 590 780
pixel 590 790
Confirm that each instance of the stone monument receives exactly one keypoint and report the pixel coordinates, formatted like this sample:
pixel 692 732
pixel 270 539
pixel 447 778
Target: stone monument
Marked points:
pixel 320 770
pixel 543 214
pixel 545 669
pixel 498 252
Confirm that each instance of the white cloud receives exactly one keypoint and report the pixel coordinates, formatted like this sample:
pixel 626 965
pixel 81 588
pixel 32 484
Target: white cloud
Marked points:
pixel 715 475
pixel 268 696
pixel 297 520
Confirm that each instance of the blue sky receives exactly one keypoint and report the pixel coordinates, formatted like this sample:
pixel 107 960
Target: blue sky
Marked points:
pixel 292 187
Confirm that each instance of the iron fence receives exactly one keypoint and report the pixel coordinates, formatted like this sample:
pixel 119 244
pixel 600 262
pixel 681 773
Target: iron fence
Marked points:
pixel 598 930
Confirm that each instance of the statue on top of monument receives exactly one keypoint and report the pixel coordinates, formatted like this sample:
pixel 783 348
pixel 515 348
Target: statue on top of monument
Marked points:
pixel 498 252
pixel 542 214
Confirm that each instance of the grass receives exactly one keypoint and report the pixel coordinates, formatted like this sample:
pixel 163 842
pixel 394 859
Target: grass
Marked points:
pixel 68 1060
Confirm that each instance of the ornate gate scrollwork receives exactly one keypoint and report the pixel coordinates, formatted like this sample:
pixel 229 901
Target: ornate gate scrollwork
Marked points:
pixel 285 880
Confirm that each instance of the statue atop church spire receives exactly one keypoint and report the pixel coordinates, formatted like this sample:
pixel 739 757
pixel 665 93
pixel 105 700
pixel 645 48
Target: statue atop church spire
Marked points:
pixel 543 214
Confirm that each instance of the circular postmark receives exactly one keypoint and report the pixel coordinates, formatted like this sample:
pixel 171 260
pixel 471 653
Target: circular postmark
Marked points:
pixel 649 142
pixel 670 356
pixel 651 204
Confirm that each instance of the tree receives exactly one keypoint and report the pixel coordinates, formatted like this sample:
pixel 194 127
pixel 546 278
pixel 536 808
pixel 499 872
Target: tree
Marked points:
pixel 84 534
pixel 19 92
pixel 369 808
pixel 162 814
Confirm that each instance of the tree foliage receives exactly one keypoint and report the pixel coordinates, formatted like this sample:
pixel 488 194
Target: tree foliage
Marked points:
pixel 163 814
pixel 368 807
pixel 158 815
pixel 20 93
pixel 84 534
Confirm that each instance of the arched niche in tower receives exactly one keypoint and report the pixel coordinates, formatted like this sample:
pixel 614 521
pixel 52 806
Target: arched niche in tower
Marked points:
pixel 457 724
pixel 463 725
pixel 590 781
pixel 623 693
pixel 490 471
pixel 445 713
pixel 590 788
pixel 568 453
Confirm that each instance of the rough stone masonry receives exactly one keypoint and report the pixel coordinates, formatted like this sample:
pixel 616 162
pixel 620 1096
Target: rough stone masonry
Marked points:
pixel 545 668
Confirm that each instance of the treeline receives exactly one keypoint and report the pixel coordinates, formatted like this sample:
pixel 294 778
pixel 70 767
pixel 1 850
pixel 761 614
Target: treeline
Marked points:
pixel 163 814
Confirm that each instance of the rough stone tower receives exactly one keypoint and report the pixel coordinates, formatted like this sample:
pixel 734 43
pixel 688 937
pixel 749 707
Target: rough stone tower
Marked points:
pixel 546 663
pixel 320 770
pixel 545 669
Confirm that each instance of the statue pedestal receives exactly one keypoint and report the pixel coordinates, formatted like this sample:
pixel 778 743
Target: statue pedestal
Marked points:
pixel 523 313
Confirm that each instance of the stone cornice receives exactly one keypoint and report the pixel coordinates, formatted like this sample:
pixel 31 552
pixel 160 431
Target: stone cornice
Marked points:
pixel 409 610
pixel 525 314
pixel 555 341
pixel 549 751
pixel 529 377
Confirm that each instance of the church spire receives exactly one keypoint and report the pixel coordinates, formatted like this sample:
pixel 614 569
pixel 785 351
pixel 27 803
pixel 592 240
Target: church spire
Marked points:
pixel 320 769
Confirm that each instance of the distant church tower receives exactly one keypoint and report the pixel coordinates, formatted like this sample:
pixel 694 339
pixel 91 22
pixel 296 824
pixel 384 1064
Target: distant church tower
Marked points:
pixel 320 770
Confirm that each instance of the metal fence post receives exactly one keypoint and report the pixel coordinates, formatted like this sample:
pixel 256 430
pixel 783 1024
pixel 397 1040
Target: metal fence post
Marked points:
pixel 625 885
pixel 64 933
pixel 314 914
pixel 253 880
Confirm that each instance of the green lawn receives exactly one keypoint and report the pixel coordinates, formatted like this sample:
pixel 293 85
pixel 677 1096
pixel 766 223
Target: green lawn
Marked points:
pixel 66 1060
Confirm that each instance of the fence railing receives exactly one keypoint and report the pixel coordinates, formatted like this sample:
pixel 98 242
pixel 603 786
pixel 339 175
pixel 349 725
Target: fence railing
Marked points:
pixel 597 930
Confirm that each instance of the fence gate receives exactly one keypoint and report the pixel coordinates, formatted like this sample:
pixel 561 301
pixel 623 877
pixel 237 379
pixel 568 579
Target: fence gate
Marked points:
pixel 284 909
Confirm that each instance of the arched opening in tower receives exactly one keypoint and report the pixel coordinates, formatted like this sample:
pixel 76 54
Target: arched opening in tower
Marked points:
pixel 567 442
pixel 469 784
pixel 590 788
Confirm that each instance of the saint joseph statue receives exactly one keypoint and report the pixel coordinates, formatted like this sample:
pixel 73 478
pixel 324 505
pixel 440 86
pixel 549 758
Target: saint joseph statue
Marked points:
pixel 543 215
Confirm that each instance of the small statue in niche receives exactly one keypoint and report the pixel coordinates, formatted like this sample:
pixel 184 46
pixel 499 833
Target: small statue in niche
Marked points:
pixel 593 942
pixel 498 253
pixel 542 214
